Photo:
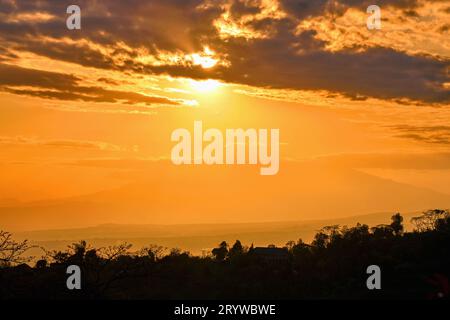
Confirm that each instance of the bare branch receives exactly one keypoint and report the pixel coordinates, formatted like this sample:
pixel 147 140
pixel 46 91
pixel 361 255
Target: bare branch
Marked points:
pixel 11 251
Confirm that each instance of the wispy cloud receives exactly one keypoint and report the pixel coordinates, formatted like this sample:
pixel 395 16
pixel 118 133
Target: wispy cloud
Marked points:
pixel 439 134
pixel 59 143
pixel 417 161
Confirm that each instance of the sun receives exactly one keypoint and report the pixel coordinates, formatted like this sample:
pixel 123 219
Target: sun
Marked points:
pixel 205 86
pixel 204 59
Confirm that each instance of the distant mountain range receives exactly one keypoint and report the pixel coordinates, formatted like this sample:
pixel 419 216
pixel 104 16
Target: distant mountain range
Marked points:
pixel 197 238
pixel 220 195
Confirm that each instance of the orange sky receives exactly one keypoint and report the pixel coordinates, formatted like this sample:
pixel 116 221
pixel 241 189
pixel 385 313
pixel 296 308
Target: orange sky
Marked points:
pixel 86 115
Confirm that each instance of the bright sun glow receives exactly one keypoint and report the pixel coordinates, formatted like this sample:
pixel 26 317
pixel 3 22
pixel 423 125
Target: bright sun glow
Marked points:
pixel 206 86
pixel 205 59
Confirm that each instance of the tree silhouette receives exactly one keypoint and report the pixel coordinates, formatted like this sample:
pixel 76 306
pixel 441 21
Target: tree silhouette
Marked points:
pixel 415 265
pixel 397 224
pixel 428 220
pixel 221 252
pixel 236 250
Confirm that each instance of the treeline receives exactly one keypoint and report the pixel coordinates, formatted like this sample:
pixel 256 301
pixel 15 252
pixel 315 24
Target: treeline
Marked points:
pixel 413 265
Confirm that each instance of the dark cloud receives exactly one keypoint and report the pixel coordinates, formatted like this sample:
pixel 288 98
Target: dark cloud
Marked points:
pixel 52 85
pixel 403 4
pixel 17 76
pixel 378 72
pixel 302 9
pixel 285 60
pixel 169 24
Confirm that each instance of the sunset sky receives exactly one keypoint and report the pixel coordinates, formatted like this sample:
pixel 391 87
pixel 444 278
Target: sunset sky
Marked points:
pixel 86 115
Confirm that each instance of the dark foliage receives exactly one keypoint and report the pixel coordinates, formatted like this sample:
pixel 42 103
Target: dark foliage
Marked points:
pixel 413 264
